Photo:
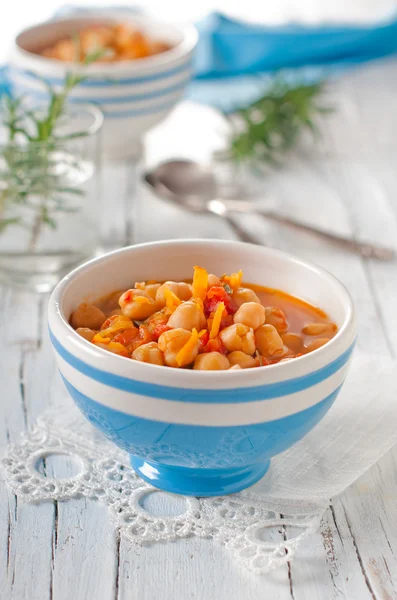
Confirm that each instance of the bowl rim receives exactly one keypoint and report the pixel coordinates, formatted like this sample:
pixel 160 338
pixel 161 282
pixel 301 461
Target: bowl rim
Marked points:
pixel 55 307
pixel 183 48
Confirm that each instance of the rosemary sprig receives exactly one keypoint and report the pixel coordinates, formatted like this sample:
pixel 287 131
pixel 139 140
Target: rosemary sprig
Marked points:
pixel 27 160
pixel 264 131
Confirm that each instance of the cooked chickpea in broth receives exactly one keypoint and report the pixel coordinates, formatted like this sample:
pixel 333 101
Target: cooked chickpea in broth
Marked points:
pixel 119 41
pixel 214 323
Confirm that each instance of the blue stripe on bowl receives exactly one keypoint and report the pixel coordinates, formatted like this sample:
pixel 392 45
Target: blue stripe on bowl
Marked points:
pixel 271 436
pixel 93 82
pixel 153 390
pixel 138 112
pixel 43 95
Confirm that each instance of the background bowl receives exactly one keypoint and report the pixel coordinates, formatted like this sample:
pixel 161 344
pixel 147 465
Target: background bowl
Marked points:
pixel 194 432
pixel 134 95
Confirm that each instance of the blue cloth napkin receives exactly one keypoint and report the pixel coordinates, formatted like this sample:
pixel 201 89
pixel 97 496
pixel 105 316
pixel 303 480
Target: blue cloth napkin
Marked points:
pixel 231 48
pixel 232 54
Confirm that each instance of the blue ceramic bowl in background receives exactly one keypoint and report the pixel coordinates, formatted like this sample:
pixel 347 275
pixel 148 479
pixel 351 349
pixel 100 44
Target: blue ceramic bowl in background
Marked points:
pixel 134 95
pixel 191 432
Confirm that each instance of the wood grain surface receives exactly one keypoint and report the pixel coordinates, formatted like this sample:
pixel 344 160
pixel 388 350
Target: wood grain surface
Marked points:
pixel 348 183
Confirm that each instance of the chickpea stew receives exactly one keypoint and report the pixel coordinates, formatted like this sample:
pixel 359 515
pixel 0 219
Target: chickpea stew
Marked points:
pixel 213 323
pixel 120 41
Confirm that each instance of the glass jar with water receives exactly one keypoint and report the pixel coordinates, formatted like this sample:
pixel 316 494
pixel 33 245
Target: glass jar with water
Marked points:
pixel 50 201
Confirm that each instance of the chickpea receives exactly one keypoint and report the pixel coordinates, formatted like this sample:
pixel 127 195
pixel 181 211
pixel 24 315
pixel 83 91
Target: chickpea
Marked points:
pixel 171 342
pixel 211 361
pixel 90 40
pixel 235 368
pixel 180 288
pixel 64 50
pixel 213 280
pixel 122 35
pixel 86 333
pixel 268 341
pixel 87 316
pixel 238 337
pixel 293 342
pixel 187 316
pixel 244 361
pixel 110 302
pixel 315 344
pixel 251 314
pixel 243 295
pixel 149 353
pixel 137 304
pixel 277 318
pixel 115 348
pixel 150 288
pixel 319 328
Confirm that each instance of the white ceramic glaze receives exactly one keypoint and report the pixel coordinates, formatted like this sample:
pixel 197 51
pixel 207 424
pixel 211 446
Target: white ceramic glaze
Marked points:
pixel 174 260
pixel 134 95
pixel 219 428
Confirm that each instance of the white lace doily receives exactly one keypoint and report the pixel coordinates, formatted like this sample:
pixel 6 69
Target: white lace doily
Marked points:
pixel 294 493
pixel 106 476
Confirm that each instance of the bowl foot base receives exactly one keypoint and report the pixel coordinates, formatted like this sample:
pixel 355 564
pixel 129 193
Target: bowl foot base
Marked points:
pixel 198 482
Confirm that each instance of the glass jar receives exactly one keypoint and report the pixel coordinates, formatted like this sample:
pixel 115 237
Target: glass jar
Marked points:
pixel 50 202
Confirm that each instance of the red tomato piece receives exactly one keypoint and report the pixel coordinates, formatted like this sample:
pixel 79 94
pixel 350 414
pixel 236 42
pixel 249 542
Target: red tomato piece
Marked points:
pixel 109 322
pixel 215 345
pixel 203 341
pixel 226 321
pixel 158 330
pixel 157 324
pixel 126 337
pixel 215 295
pixel 144 334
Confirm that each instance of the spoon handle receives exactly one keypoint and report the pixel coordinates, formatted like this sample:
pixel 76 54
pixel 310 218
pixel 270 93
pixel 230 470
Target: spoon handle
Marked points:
pixel 242 234
pixel 363 248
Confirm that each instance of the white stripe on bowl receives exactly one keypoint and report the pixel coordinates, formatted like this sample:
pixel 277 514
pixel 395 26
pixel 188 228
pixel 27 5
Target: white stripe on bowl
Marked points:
pixel 114 90
pixel 160 102
pixel 192 413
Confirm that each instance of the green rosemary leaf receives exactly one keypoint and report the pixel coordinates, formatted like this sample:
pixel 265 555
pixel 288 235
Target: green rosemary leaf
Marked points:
pixel 61 205
pixel 77 47
pixel 71 136
pixel 94 56
pixel 6 222
pixel 71 190
pixel 47 219
pixel 27 169
pixel 269 127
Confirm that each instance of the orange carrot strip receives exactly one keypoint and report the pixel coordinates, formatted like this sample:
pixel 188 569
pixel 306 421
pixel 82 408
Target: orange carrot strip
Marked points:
pixel 234 280
pixel 171 299
pixel 98 339
pixel 117 348
pixel 141 300
pixel 200 283
pixel 216 321
pixel 116 327
pixel 187 348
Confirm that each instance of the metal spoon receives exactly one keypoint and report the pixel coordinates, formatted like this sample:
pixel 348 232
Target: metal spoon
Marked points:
pixel 193 186
pixel 199 204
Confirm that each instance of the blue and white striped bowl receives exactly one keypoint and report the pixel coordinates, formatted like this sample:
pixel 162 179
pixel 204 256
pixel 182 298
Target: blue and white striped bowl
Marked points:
pixel 193 432
pixel 133 95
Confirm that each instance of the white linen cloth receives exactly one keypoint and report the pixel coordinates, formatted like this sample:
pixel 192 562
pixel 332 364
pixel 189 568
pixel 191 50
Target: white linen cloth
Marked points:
pixel 358 430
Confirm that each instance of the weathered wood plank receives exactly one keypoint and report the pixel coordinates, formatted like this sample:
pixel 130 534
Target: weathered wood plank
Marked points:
pixel 25 571
pixel 70 550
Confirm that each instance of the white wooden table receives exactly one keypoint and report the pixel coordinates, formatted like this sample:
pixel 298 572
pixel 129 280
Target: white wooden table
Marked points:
pixel 69 550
